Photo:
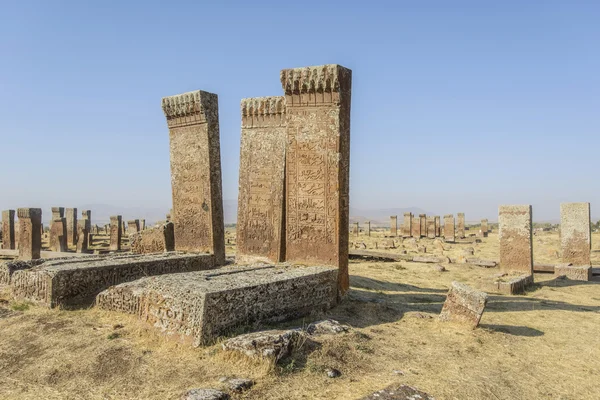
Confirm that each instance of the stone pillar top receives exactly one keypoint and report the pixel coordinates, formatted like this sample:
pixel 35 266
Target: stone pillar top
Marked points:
pixel 29 212
pixel 190 108
pixel 262 106
pixel 320 78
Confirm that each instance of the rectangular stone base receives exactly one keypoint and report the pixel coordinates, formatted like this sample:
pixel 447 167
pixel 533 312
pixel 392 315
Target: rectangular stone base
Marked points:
pixel 511 286
pixel 573 273
pixel 197 307
pixel 77 281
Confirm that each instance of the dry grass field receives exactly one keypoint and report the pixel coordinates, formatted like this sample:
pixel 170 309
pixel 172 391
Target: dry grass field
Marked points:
pixel 542 345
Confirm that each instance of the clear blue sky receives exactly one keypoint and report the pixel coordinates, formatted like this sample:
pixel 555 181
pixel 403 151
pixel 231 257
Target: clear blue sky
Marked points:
pixel 456 107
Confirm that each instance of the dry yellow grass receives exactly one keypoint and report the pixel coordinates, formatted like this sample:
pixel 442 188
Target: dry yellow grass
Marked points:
pixel 541 345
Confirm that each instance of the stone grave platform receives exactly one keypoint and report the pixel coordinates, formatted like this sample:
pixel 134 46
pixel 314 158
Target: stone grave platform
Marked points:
pixel 511 284
pixel 198 307
pixel 77 281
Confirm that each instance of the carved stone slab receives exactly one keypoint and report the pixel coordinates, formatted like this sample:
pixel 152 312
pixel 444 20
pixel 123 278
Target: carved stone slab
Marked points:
pixel 516 246
pixel 449 228
pixel 575 233
pixel 30 233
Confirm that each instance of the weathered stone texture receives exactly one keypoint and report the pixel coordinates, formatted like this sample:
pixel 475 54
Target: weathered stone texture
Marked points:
pixel 30 233
pixel 271 345
pixel 574 273
pixel 198 307
pixel 115 232
pixel 368 228
pixel 438 226
pixel 159 239
pixel 449 234
pixel 423 223
pixel 193 120
pixel 7 268
pixel 58 235
pixel 142 224
pixel 82 236
pixel 514 285
pixel 71 221
pixel 575 233
pixel 133 226
pixel 78 281
pixel 416 227
pixel 431 227
pixel 407 225
pixel 8 229
pixel 460 225
pixel 393 225
pixel 516 246
pixel 318 166
pixel 464 305
pixel 398 392
pixel 260 228
pixel 483 232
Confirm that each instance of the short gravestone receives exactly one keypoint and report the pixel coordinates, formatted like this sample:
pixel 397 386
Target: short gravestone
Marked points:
pixel 464 305
pixel 30 236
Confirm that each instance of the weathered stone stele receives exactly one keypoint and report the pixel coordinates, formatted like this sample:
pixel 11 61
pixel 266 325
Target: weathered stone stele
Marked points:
pixel 71 220
pixel 133 226
pixel 464 305
pixel 193 121
pixel 484 228
pixel 449 228
pixel 416 227
pixel 142 224
pixel 153 240
pixel 368 228
pixel 516 246
pixel 115 232
pixel 460 226
pixel 82 236
pixel 423 222
pixel 407 225
pixel 318 166
pixel 8 229
pixel 575 234
pixel 30 235
pixel 438 226
pixel 356 229
pixel 58 235
pixel 393 225
pixel 260 228
pixel 431 227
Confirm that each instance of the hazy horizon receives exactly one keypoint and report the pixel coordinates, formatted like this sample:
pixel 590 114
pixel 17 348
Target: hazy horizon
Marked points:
pixel 456 107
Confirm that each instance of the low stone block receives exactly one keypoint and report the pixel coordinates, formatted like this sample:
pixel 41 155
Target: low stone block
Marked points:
pixel 464 305
pixel 7 268
pixel 272 345
pixel 197 307
pixel 398 392
pixel 573 273
pixel 516 285
pixel 77 282
pixel 159 239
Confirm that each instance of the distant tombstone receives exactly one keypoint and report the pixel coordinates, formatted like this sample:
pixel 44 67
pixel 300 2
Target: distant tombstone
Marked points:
pixel 431 227
pixel 71 221
pixel 356 229
pixel 82 236
pixel 460 226
pixel 132 226
pixel 515 236
pixel 30 238
pixel 423 222
pixel 8 229
pixel 115 232
pixel 449 232
pixel 368 228
pixel 438 226
pixel 193 121
pixel 394 225
pixel 484 228
pixel 416 227
pixel 142 224
pixel 58 230
pixel 318 166
pixel 260 227
pixel 407 225
pixel 575 234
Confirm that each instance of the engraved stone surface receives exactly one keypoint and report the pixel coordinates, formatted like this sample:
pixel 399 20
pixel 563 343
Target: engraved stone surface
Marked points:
pixel 423 222
pixel 415 227
pixel 318 166
pixel 483 232
pixel 7 268
pixel 464 305
pixel 575 234
pixel 574 273
pixel 153 240
pixel 260 227
pixel 460 225
pixel 58 235
pixel 115 232
pixel 193 120
pixel 438 226
pixel 407 225
pixel 449 228
pixel 82 236
pixel 431 227
pixel 30 233
pixel 516 245
pixel 8 229
pixel 71 221
pixel 77 282
pixel 394 225
pixel 198 307
pixel 272 344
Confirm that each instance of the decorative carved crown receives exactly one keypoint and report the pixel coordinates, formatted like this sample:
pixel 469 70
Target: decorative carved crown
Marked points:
pixel 322 78
pixel 263 106
pixel 29 212
pixel 186 104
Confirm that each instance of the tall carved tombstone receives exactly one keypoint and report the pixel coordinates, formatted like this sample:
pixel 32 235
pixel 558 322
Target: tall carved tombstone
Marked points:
pixel 58 230
pixel 431 227
pixel 356 229
pixel 407 225
pixel 368 228
pixel 142 224
pixel 460 225
pixel 449 232
pixel 260 227
pixel 416 227
pixel 8 229
pixel 483 232
pixel 193 120
pixel 318 166
pixel 393 225
pixel 438 226
pixel 30 236
pixel 575 234
pixel 423 222
pixel 82 236
pixel 133 226
pixel 71 219
pixel 516 246
pixel 115 232
pixel 86 215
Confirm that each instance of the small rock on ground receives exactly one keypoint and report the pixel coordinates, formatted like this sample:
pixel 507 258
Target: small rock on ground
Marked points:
pixel 326 326
pixel 395 392
pixel 240 384
pixel 273 344
pixel 205 394
pixel 333 373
